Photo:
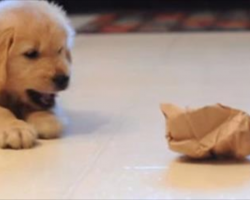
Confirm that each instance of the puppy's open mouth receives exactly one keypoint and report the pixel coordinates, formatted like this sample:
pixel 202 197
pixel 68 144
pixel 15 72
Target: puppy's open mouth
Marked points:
pixel 44 100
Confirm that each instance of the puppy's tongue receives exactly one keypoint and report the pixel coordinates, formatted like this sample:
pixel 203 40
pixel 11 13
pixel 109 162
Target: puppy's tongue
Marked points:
pixel 47 98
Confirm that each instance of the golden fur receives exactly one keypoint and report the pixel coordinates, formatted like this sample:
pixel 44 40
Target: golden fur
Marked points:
pixel 26 26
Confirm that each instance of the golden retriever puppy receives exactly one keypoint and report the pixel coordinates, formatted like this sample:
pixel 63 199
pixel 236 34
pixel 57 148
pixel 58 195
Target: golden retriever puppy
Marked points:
pixel 35 44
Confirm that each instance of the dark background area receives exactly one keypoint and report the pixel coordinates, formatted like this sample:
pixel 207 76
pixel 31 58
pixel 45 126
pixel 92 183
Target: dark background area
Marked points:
pixel 90 6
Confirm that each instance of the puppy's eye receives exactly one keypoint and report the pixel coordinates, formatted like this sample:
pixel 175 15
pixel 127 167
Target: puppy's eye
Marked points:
pixel 33 54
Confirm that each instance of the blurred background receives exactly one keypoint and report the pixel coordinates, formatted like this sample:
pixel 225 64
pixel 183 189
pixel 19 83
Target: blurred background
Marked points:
pixel 131 16
pixel 76 6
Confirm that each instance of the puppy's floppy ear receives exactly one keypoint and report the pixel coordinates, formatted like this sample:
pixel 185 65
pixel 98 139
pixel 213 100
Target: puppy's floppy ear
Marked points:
pixel 6 40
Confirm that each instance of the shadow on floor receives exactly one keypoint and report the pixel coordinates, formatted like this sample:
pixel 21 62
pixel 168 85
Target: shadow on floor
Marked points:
pixel 208 175
pixel 213 161
pixel 86 122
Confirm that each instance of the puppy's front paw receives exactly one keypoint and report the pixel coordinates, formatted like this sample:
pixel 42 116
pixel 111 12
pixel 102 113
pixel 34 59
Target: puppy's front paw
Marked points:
pixel 47 125
pixel 17 134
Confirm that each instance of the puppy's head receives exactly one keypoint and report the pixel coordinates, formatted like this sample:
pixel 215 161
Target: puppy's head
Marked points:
pixel 35 42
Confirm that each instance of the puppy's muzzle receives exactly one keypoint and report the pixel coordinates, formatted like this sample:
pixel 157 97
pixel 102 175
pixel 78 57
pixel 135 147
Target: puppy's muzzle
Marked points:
pixel 61 81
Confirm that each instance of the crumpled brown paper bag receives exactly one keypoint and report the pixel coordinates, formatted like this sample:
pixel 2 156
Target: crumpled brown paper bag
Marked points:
pixel 215 130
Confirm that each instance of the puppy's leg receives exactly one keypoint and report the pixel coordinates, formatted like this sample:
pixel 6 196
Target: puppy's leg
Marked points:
pixel 15 133
pixel 46 123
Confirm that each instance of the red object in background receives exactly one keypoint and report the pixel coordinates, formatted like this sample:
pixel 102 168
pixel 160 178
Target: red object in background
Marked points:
pixel 232 25
pixel 98 23
pixel 233 20
pixel 124 24
pixel 103 19
pixel 163 22
pixel 200 20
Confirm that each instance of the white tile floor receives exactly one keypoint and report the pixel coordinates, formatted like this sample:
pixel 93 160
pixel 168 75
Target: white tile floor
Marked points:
pixel 114 147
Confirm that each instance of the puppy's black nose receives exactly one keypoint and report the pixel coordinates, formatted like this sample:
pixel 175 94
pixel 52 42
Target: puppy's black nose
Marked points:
pixel 61 81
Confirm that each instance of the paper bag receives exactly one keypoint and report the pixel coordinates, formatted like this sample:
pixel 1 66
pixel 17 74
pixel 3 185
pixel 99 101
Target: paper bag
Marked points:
pixel 215 130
